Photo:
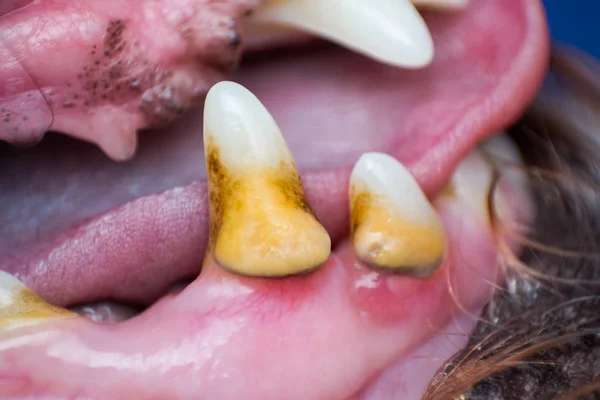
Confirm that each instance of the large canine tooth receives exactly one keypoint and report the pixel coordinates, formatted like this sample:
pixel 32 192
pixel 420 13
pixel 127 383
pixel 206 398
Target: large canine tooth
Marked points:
pixel 393 225
pixel 19 306
pixel 390 31
pixel 260 223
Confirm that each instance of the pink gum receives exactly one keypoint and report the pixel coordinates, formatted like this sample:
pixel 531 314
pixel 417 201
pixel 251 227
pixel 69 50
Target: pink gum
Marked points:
pixel 317 336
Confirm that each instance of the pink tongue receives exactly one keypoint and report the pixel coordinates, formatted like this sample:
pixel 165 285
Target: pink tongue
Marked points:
pixel 331 105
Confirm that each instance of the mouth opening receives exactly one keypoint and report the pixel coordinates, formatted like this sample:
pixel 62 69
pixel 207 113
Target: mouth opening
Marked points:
pixel 79 228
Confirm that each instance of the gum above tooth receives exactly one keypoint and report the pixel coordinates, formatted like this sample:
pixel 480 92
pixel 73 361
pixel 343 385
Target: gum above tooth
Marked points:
pixel 260 223
pixel 393 224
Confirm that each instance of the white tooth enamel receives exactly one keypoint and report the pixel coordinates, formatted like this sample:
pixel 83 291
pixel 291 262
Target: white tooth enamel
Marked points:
pixel 442 4
pixel 19 306
pixel 471 184
pixel 390 31
pixel 384 175
pixel 395 225
pixel 260 223
pixel 242 128
pixel 8 283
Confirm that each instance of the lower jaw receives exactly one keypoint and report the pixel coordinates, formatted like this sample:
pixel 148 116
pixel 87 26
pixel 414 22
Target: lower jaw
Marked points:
pixel 321 336
pixel 225 335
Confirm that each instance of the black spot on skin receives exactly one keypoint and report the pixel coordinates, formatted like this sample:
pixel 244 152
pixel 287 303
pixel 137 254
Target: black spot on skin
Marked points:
pixel 68 104
pixel 25 118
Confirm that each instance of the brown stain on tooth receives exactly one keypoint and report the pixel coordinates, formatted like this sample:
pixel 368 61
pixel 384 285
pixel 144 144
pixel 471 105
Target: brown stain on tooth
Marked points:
pixel 260 223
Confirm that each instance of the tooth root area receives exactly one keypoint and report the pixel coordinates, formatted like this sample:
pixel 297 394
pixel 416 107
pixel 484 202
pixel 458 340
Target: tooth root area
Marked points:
pixel 394 227
pixel 390 31
pixel 260 223
pixel 20 306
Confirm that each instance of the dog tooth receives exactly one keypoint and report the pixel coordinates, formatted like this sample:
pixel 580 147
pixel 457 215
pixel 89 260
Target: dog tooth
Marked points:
pixel 20 306
pixel 260 222
pixel 389 31
pixel 394 227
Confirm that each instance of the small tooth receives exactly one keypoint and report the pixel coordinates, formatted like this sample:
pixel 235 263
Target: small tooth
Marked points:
pixel 260 223
pixel 394 226
pixel 442 4
pixel 471 184
pixel 390 31
pixel 19 306
pixel 507 159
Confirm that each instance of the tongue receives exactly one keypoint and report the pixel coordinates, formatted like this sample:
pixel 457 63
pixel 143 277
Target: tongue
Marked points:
pixel 65 227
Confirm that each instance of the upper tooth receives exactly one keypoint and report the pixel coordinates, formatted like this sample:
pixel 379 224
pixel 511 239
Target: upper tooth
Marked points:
pixel 442 4
pixel 390 31
pixel 393 224
pixel 260 223
pixel 19 306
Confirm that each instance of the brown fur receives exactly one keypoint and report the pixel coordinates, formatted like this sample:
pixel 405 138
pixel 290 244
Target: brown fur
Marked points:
pixel 539 337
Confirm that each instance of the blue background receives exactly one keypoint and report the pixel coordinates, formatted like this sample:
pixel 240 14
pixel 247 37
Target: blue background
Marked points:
pixel 575 22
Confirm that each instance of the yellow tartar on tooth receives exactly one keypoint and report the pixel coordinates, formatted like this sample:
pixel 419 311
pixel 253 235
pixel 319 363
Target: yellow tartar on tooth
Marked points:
pixel 20 306
pixel 393 226
pixel 260 222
